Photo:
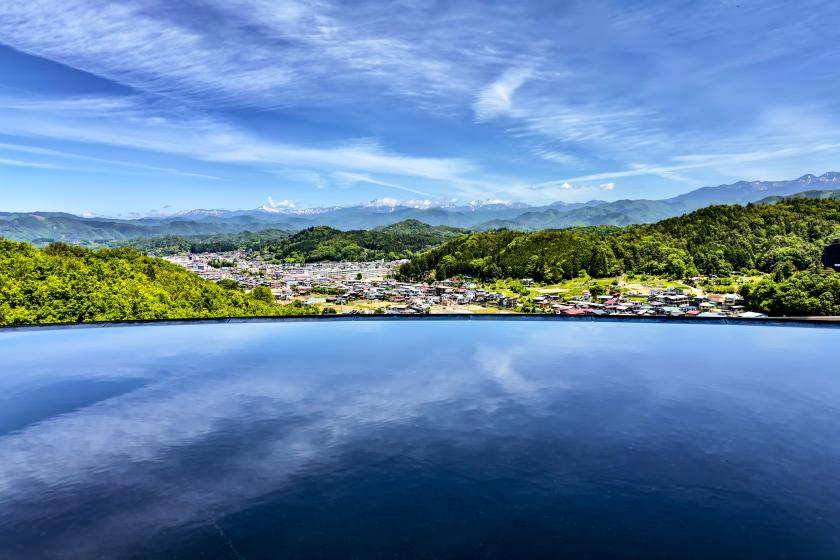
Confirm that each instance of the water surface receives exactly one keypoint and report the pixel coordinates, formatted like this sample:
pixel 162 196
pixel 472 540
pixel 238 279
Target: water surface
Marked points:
pixel 420 439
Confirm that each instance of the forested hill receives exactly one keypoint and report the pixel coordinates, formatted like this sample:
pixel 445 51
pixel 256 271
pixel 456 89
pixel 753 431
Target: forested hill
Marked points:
pixel 320 243
pixel 178 244
pixel 714 240
pixel 66 284
pixel 783 240
pixel 400 240
pixel 42 228
pixel 835 195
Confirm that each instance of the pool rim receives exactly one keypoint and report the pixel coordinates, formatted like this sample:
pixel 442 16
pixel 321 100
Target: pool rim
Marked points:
pixel 832 322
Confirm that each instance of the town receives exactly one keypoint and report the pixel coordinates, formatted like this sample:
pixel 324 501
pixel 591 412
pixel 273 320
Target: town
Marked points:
pixel 370 288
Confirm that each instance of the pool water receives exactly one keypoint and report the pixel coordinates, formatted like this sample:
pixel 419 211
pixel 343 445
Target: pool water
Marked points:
pixel 420 439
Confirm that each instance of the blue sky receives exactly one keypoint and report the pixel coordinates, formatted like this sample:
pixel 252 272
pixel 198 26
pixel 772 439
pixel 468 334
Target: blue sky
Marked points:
pixel 152 106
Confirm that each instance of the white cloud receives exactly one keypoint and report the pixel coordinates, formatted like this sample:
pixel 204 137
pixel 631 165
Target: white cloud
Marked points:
pixel 128 124
pixel 558 157
pixel 61 154
pixel 385 202
pixel 352 178
pixel 281 204
pixel 32 164
pixel 265 53
pixel 553 95
pixel 607 186
pixel 717 162
pixel 302 176
pixel 496 99
pixel 128 44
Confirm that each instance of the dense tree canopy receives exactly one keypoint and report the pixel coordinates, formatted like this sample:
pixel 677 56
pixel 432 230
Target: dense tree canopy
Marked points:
pixel 714 240
pixel 62 283
pixel 810 292
pixel 175 244
pixel 784 240
pixel 322 243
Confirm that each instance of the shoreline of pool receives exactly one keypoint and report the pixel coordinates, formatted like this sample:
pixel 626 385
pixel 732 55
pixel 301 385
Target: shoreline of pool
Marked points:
pixel 811 322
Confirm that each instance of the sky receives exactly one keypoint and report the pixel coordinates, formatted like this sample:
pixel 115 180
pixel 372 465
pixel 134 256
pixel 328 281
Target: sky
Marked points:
pixel 155 107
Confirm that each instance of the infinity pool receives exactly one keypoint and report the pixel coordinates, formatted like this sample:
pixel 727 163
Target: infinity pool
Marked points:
pixel 420 439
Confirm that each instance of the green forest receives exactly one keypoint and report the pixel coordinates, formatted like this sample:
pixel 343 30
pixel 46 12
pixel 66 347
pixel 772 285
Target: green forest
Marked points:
pixel 322 243
pixel 777 246
pixel 781 241
pixel 63 283
pixel 176 244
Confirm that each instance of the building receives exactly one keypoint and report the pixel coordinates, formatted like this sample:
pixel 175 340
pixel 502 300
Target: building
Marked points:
pixel 831 255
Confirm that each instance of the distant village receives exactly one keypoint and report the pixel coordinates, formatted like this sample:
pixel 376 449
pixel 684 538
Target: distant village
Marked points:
pixel 369 287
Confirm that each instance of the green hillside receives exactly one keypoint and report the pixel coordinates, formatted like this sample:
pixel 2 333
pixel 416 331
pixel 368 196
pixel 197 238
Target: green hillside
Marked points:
pixel 322 243
pixel 66 284
pixel 821 195
pixel 175 244
pixel 41 228
pixel 783 241
pixel 618 213
pixel 714 240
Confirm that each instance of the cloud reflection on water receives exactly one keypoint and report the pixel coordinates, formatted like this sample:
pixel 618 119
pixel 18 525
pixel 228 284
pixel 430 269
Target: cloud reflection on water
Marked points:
pixel 231 413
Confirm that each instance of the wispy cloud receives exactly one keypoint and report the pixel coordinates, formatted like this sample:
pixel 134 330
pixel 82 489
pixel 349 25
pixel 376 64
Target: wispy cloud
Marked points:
pixel 694 161
pixel 463 99
pixel 125 43
pixel 132 165
pixel 205 138
pixel 33 164
pixel 350 178
pixel 497 98
pixel 259 52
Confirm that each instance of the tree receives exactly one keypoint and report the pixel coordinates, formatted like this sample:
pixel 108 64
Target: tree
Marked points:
pixel 597 290
pixel 783 270
pixel 229 284
pixel 263 293
pixel 713 241
pixel 71 284
pixel 809 292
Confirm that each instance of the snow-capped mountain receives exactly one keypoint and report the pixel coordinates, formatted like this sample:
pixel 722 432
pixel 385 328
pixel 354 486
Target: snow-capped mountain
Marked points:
pixel 751 191
pixel 291 208
pixel 477 214
pixel 396 203
pixel 201 213
pixel 506 213
pixel 495 204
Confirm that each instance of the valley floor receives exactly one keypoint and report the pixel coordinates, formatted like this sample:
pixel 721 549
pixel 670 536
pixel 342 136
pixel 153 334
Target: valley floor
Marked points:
pixel 369 288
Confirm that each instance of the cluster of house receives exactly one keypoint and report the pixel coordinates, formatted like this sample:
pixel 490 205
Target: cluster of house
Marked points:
pixel 341 283
pixel 251 271
pixel 670 302
pixel 403 298
pixel 410 298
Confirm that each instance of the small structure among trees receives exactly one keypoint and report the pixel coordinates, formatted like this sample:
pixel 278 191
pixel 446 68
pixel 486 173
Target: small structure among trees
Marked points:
pixel 831 255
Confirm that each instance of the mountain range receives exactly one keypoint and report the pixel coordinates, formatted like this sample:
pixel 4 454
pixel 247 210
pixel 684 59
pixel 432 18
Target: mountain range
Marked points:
pixel 44 227
pixel 640 211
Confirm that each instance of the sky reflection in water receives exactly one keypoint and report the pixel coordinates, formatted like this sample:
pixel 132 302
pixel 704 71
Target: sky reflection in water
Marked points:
pixel 440 438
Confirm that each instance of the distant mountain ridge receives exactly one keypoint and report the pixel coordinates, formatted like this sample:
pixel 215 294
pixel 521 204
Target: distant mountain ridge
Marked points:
pixel 820 195
pixel 625 212
pixel 43 227
pixel 743 192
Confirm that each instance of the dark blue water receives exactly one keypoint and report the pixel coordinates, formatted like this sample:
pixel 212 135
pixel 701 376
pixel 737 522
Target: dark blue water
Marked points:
pixel 439 439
